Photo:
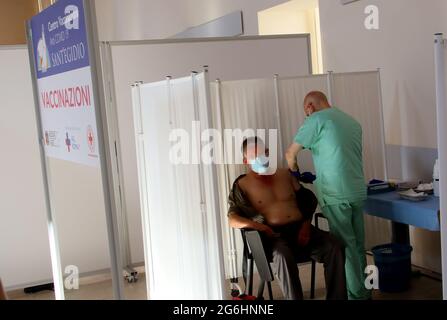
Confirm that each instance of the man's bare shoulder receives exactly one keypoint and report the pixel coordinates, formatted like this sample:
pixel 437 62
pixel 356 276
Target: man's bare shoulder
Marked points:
pixel 286 177
pixel 283 173
pixel 242 181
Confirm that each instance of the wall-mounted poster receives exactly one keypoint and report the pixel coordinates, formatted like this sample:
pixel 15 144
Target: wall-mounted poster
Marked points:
pixel 64 83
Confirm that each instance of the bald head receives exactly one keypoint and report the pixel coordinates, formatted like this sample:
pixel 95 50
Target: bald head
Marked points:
pixel 315 101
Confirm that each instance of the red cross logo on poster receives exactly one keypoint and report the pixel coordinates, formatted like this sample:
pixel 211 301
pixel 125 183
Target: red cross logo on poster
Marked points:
pixel 90 139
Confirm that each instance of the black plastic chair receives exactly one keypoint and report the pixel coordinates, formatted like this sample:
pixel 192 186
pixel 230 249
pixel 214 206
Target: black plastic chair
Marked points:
pixel 255 254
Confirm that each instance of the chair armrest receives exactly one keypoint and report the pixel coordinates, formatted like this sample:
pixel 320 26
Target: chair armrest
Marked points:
pixel 257 250
pixel 318 216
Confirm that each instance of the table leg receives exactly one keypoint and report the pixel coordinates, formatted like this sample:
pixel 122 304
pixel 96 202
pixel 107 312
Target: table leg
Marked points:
pixel 401 233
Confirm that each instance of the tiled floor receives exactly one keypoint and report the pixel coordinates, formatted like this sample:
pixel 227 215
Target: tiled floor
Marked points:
pixel 422 288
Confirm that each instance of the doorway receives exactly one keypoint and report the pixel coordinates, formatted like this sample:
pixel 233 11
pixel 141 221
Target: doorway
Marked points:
pixel 296 16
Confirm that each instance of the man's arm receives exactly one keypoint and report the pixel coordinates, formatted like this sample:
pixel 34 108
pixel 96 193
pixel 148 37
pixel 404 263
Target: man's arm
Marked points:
pixel 291 156
pixel 305 138
pixel 235 219
pixel 238 222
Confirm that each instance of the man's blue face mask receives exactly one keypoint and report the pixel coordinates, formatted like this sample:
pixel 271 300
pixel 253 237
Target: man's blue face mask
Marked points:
pixel 260 164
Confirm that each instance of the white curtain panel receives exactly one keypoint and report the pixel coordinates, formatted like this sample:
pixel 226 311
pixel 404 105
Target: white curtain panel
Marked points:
pixel 358 94
pixel 183 253
pixel 292 92
pixel 245 104
pixel 212 220
pixel 248 104
pixel 232 262
pixel 188 196
pixel 156 189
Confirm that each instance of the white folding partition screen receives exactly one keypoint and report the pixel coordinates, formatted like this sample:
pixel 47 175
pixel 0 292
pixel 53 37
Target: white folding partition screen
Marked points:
pixel 182 231
pixel 245 104
pixel 359 94
pixel 291 97
pixel 239 105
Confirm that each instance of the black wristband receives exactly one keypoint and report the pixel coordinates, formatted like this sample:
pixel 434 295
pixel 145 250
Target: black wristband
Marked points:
pixel 296 174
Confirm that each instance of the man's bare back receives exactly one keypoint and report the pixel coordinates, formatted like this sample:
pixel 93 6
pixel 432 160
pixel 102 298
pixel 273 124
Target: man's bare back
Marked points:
pixel 273 197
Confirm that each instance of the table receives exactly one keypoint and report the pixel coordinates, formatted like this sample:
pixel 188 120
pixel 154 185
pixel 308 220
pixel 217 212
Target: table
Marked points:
pixel 403 213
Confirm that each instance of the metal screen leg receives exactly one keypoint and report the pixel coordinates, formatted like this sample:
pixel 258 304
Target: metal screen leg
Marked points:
pixel 312 280
pixel 269 286
pixel 261 290
pixel 250 277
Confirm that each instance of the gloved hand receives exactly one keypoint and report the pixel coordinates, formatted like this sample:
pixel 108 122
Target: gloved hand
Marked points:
pixel 296 174
pixel 308 177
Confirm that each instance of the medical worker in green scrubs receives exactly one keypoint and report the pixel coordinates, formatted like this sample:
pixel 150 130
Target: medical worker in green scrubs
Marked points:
pixel 335 140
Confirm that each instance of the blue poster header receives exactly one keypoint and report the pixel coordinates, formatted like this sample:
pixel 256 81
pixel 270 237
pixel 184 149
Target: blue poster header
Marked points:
pixel 59 38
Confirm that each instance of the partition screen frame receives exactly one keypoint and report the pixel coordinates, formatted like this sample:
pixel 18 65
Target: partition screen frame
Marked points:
pixel 108 45
pixel 440 53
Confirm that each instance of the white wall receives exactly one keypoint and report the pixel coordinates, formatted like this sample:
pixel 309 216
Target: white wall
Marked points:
pixel 24 246
pixel 78 207
pixel 76 191
pixel 156 19
pixel 403 49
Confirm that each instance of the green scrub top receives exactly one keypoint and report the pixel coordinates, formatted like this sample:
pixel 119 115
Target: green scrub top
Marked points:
pixel 335 140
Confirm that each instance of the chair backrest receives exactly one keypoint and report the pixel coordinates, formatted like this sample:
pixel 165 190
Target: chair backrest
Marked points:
pixel 257 250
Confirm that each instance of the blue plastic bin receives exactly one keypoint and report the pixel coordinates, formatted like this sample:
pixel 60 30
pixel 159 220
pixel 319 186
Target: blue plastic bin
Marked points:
pixel 394 264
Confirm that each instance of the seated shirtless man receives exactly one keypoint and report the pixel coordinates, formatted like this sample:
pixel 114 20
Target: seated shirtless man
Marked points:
pixel 270 203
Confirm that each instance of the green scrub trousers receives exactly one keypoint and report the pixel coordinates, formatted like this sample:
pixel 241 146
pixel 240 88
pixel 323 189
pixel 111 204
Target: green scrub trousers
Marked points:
pixel 346 223
pixel 336 142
